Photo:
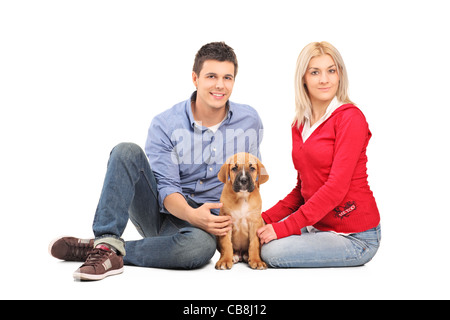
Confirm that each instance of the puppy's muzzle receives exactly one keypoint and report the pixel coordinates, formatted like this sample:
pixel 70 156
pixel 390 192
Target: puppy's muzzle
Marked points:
pixel 243 182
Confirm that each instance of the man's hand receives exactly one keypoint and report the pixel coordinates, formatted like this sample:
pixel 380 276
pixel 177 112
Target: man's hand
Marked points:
pixel 200 217
pixel 203 219
pixel 266 234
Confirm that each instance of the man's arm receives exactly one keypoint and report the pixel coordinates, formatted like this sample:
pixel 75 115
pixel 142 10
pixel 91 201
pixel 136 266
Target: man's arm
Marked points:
pixel 200 217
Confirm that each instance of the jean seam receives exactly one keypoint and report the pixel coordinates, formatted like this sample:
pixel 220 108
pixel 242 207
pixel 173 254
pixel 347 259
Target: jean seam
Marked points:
pixel 155 192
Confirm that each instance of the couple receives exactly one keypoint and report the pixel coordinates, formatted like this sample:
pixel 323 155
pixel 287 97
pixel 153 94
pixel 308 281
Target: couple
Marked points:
pixel 171 191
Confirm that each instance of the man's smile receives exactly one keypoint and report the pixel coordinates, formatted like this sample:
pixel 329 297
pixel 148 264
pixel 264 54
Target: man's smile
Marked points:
pixel 217 95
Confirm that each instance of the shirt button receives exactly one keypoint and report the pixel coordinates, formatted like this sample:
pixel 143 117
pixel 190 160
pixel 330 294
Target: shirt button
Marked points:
pixel 210 169
pixel 192 195
pixel 201 182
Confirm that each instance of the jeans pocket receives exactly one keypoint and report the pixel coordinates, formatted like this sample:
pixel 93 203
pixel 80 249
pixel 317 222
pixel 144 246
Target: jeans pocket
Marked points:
pixel 371 237
pixel 359 245
pixel 368 242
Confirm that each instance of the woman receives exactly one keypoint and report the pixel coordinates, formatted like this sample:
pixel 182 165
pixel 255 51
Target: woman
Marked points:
pixel 330 219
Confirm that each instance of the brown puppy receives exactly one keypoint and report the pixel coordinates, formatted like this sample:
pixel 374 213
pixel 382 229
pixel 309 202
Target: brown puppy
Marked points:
pixel 242 175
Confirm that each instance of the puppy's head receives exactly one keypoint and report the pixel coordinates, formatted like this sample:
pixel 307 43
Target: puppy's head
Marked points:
pixel 244 171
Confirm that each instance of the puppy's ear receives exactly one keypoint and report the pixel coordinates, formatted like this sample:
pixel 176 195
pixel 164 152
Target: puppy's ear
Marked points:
pixel 263 176
pixel 223 173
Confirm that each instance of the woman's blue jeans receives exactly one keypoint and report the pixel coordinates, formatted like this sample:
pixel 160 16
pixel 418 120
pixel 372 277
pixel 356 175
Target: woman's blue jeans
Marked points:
pixel 129 192
pixel 322 249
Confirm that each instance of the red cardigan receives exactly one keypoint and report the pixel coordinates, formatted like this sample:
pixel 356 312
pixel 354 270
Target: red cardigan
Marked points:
pixel 332 192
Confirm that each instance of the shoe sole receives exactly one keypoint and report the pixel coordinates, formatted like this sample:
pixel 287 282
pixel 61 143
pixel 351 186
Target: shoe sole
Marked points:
pixel 94 277
pixel 51 245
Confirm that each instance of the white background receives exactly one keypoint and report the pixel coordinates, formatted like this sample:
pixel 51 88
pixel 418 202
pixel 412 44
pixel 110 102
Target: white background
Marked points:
pixel 78 77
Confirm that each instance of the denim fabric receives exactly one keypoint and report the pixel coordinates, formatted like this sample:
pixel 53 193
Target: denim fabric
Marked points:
pixel 322 249
pixel 129 192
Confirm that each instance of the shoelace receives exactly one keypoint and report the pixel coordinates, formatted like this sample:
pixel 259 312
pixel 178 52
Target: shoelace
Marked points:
pixel 79 250
pixel 95 257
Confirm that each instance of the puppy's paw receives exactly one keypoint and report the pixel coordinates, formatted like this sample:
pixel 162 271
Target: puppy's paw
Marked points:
pixel 257 264
pixel 224 264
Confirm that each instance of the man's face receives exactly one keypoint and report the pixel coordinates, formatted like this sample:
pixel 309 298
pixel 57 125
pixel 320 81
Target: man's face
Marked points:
pixel 214 83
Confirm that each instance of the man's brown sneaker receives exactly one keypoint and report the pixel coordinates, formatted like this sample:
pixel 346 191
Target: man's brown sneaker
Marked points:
pixel 71 249
pixel 100 263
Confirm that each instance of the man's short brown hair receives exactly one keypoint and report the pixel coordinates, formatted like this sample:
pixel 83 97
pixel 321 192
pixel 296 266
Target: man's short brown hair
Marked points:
pixel 218 51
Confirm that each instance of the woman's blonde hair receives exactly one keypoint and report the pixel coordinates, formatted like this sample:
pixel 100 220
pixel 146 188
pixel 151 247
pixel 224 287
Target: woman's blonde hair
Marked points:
pixel 302 100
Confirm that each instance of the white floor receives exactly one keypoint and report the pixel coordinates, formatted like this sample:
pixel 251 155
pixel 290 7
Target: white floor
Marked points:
pixel 412 262
pixel 389 276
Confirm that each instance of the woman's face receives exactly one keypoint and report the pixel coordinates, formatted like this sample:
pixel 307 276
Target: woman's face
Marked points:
pixel 321 79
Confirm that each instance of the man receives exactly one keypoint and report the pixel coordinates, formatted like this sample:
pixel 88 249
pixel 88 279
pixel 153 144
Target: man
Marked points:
pixel 170 197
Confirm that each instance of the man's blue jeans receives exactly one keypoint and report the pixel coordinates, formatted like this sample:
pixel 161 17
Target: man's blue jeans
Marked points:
pixel 129 192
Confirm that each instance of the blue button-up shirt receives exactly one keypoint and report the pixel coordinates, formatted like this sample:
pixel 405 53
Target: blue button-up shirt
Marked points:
pixel 186 157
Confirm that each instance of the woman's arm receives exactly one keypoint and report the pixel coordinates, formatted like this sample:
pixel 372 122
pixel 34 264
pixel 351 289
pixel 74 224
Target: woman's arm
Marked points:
pixel 352 134
pixel 286 206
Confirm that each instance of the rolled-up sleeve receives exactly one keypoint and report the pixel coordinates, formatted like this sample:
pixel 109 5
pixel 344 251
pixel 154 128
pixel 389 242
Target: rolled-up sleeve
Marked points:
pixel 163 161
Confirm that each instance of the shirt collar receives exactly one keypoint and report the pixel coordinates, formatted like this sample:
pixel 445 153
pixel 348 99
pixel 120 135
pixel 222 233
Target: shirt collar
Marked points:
pixel 193 98
pixel 334 104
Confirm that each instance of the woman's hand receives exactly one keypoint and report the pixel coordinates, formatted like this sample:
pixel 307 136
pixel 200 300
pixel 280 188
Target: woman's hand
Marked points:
pixel 266 234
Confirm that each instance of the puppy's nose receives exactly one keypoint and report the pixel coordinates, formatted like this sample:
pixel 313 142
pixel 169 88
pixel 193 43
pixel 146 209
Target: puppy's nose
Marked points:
pixel 243 180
